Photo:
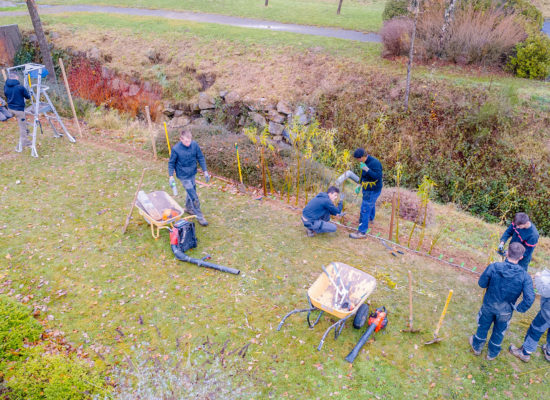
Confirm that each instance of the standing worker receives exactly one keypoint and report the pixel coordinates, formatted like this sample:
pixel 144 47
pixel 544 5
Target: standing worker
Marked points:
pixel 316 214
pixel 15 95
pixel 371 185
pixel 523 231
pixel 183 161
pixel 505 281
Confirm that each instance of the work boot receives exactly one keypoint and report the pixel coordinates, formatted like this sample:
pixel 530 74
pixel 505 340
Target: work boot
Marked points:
pixel 357 235
pixel 310 233
pixel 471 340
pixel 489 358
pixel 202 221
pixel 518 352
pixel 546 352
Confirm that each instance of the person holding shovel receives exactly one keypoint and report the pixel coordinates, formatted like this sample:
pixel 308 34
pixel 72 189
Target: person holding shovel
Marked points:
pixel 183 160
pixel 505 281
pixel 523 231
pixel 371 185
pixel 316 214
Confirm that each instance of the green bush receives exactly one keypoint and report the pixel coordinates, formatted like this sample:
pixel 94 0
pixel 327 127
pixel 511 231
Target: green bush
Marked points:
pixel 395 8
pixel 16 326
pixel 532 59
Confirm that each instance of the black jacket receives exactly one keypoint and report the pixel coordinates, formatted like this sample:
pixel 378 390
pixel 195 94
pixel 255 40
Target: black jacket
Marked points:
pixel 371 181
pixel 184 159
pixel 321 207
pixel 527 237
pixel 16 95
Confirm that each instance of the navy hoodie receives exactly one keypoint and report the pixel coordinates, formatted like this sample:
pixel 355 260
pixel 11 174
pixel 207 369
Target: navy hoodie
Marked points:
pixel 527 237
pixel 505 282
pixel 184 160
pixel 16 95
pixel 321 206
pixel 371 181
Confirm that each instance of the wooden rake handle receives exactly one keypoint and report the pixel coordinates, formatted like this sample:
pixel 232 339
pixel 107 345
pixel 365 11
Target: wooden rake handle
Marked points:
pixel 444 312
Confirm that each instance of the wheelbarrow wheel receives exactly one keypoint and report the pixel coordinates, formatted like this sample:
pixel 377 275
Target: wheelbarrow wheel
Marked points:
pixel 361 316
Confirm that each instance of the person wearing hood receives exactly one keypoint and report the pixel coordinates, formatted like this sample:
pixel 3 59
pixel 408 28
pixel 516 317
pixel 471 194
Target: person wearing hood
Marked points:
pixel 316 214
pixel 523 231
pixel 5 114
pixel 505 282
pixel 15 95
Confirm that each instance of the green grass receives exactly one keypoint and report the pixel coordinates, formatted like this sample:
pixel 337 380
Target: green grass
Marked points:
pixel 61 220
pixel 362 15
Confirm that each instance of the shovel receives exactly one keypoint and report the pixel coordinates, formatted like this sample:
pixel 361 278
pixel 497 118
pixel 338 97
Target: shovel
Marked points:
pixel 410 326
pixel 436 338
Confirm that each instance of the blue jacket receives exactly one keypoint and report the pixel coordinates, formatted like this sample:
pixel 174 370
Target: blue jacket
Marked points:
pixel 320 207
pixel 527 237
pixel 371 181
pixel 505 282
pixel 184 160
pixel 16 95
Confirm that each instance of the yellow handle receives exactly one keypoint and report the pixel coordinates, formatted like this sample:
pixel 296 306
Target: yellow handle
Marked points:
pixel 167 140
pixel 239 163
pixel 30 84
pixel 444 312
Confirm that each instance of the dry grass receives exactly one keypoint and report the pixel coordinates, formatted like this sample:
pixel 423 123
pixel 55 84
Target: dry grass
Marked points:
pixel 543 6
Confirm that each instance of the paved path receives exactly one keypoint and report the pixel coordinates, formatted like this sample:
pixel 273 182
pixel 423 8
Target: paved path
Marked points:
pixel 209 18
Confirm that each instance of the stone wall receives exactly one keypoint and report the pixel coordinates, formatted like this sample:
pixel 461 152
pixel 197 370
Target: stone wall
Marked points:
pixel 10 43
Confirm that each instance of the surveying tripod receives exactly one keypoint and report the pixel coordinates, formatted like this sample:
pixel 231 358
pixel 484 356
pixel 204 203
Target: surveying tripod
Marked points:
pixel 40 103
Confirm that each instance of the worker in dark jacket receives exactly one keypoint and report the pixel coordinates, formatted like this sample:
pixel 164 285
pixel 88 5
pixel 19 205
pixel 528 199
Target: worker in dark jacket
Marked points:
pixel 505 282
pixel 183 160
pixel 15 95
pixel 523 231
pixel 371 185
pixel 316 214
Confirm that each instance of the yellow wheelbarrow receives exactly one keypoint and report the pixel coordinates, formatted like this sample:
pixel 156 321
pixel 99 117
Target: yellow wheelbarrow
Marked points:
pixel 159 210
pixel 341 291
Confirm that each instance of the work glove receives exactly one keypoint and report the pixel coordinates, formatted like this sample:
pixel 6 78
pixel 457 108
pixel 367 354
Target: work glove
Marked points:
pixel 206 176
pixel 501 247
pixel 357 189
pixel 364 167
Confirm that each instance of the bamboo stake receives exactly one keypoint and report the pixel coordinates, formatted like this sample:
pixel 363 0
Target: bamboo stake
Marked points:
pixel 289 182
pixel 297 180
pixel 393 205
pixel 4 75
pixel 262 160
pixel 62 66
pixel 133 202
pixel 167 139
pixel 239 163
pixel 148 115
pixel 397 220
pixel 271 191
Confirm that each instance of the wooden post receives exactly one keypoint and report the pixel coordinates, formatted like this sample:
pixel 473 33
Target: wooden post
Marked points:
pixel 42 42
pixel 4 75
pixel 62 66
pixel 393 205
pixel 133 202
pixel 263 171
pixel 266 3
pixel 148 115
pixel 339 7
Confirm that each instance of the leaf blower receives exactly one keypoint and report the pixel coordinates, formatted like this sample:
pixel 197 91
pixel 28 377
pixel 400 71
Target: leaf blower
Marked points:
pixel 377 321
pixel 183 238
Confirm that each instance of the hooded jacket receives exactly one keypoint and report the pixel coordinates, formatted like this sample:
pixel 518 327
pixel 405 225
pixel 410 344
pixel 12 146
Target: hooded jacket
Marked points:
pixel 184 159
pixel 505 282
pixel 321 207
pixel 527 237
pixel 371 180
pixel 16 95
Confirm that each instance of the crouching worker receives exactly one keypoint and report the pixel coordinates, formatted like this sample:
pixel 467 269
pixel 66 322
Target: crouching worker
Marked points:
pixel 183 161
pixel 505 282
pixel 540 324
pixel 316 214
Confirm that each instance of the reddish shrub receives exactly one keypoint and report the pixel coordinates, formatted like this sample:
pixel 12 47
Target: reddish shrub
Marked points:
pixel 396 36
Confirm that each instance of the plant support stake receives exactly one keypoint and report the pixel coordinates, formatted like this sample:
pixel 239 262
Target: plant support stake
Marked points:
pixel 62 66
pixel 148 115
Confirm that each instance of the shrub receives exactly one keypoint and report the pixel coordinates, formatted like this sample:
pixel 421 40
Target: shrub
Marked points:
pixel 532 58
pixel 396 36
pixel 395 8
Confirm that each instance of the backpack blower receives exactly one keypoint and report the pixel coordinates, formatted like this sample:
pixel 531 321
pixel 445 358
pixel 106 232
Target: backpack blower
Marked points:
pixel 377 321
pixel 183 238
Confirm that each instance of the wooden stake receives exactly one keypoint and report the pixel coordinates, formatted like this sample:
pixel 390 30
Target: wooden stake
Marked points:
pixel 263 171
pixel 393 205
pixel 4 75
pixel 133 202
pixel 62 66
pixel 239 163
pixel 148 116
pixel 167 140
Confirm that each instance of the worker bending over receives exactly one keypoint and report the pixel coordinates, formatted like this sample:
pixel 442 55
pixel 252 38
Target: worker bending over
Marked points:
pixel 523 231
pixel 316 214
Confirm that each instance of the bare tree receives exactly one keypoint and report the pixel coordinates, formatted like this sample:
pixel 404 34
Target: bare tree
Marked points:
pixel 44 48
pixel 339 7
pixel 416 5
pixel 448 18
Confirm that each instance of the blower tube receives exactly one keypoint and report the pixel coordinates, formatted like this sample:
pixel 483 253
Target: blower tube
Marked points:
pixel 355 352
pixel 180 255
pixel 346 175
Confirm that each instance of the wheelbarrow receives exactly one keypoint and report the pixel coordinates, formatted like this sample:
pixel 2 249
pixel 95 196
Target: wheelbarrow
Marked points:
pixel 159 210
pixel 341 291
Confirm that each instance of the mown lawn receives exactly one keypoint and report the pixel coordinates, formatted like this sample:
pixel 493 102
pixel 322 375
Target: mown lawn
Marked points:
pixel 362 15
pixel 60 242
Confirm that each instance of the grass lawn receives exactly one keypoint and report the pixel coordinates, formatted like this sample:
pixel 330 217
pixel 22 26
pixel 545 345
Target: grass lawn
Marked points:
pixel 362 15
pixel 60 242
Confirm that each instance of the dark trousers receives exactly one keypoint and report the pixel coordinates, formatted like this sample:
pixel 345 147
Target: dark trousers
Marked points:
pixel 500 321
pixel 192 202
pixel 368 210
pixel 534 333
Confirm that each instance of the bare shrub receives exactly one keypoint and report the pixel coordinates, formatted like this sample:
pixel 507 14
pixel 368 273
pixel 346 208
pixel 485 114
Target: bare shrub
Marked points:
pixel 396 36
pixel 409 205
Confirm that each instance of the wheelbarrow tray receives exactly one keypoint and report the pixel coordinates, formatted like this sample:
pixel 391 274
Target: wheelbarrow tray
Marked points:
pixel 161 201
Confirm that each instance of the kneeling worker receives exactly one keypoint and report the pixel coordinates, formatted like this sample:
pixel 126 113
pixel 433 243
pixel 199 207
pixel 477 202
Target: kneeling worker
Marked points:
pixel 316 214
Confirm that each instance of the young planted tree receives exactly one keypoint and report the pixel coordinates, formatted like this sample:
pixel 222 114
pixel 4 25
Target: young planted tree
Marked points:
pixel 448 18
pixel 43 44
pixel 339 7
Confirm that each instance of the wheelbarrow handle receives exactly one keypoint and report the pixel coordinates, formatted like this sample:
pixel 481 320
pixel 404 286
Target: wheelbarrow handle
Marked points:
pixel 444 312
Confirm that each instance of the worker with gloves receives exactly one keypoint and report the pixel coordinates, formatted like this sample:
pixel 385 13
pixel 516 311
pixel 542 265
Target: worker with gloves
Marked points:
pixel 183 160
pixel 523 231
pixel 371 185
pixel 505 281
pixel 316 214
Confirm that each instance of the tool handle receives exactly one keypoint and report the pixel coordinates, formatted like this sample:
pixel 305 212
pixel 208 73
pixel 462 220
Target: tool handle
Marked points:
pixel 444 312
pixel 355 351
pixel 410 301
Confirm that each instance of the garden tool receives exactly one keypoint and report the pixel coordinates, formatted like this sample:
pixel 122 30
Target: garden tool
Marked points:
pixel 346 175
pixel 436 338
pixel 390 249
pixel 377 321
pixel 410 325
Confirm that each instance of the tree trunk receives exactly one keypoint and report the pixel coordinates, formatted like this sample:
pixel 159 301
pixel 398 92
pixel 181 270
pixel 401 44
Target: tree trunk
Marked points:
pixel 411 55
pixel 266 3
pixel 44 48
pixel 339 7
pixel 448 18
